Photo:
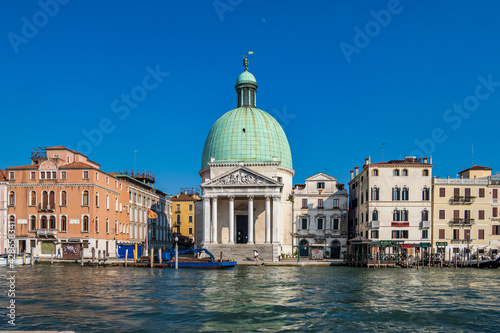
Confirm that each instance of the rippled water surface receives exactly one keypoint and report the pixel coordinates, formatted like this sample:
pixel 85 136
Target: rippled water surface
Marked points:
pixel 267 299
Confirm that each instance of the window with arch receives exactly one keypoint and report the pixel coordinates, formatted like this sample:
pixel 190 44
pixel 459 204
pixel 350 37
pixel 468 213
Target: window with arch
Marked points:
pixel 405 194
pixel 395 215
pixel 64 198
pixel 425 194
pixel 425 215
pixel 396 172
pixel 120 230
pixel 97 199
pixel 107 225
pixel 96 224
pixel 32 198
pixel 425 173
pixel 116 227
pixel 116 204
pixel 107 201
pixel 12 198
pixel 44 222
pixel 33 223
pixel 405 172
pixel 64 223
pixel 52 222
pixel 320 222
pixel 85 198
pixel 85 226
pixel 375 193
pixel 404 215
pixel 52 199
pixel 375 215
pixel 375 172
pixel 396 193
pixel 45 199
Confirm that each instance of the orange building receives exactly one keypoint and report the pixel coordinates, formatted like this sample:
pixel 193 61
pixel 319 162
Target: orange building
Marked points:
pixel 63 202
pixel 184 215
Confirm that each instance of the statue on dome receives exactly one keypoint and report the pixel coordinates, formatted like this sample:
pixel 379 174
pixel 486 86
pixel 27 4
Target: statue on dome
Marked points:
pixel 245 60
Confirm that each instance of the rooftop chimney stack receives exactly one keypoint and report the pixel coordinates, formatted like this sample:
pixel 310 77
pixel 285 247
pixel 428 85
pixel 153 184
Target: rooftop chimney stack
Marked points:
pixel 356 169
pixel 367 160
pixel 352 174
pixel 425 160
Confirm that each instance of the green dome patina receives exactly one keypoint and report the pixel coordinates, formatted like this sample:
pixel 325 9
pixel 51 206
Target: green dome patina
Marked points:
pixel 246 133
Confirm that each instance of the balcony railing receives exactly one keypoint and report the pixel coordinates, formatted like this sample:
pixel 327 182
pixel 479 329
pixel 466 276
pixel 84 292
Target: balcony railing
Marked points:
pixel 458 199
pixel 374 224
pixel 46 208
pixel 461 222
pixel 46 232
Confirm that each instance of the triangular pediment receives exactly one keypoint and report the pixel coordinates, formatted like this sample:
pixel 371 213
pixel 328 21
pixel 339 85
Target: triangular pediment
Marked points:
pixel 241 176
pixel 321 176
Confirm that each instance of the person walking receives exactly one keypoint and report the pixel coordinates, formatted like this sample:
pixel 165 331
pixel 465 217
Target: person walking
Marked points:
pixel 255 255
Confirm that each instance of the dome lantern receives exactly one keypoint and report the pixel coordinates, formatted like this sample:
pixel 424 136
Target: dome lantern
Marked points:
pixel 246 86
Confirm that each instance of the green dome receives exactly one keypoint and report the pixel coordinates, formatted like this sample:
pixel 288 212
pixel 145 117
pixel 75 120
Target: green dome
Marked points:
pixel 246 134
pixel 246 77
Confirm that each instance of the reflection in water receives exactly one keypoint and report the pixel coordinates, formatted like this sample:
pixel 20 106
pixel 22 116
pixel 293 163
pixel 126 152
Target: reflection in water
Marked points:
pixel 118 299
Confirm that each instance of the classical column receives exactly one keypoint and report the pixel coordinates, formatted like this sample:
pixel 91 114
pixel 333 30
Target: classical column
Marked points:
pixel 231 219
pixel 206 219
pixel 250 219
pixel 268 219
pixel 214 219
pixel 276 218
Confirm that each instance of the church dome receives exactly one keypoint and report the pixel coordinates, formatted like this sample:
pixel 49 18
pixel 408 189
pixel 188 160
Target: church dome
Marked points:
pixel 246 133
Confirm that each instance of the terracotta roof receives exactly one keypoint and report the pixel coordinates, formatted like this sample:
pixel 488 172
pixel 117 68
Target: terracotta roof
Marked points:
pixel 476 167
pixel 3 175
pixel 115 174
pixel 182 197
pixel 31 166
pixel 57 147
pixel 77 165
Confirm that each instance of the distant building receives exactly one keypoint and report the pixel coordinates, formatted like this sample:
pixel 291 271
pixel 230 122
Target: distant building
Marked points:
pixel 320 215
pixel 391 201
pixel 63 201
pixel 184 213
pixel 3 212
pixel 465 218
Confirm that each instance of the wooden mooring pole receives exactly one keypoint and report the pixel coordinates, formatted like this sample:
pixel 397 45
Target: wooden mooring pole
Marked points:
pixel 152 257
pixel 24 258
pixel 81 256
pixel 32 257
pixel 159 255
pixel 126 257
pixel 93 254
pixel 51 257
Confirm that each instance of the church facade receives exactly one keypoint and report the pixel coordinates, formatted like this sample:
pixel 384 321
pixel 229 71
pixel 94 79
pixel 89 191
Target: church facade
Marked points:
pixel 246 173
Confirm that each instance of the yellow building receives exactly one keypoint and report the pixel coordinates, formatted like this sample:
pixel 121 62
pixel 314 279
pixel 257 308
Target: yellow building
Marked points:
pixel 183 207
pixel 465 214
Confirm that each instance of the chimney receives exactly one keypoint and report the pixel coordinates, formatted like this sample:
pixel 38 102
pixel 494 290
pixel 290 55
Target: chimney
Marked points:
pixel 356 170
pixel 352 174
pixel 425 160
pixel 367 160
pixel 430 160
pixel 177 195
pixel 185 192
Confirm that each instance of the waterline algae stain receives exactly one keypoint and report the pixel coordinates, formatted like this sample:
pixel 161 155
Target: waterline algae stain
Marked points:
pixel 316 299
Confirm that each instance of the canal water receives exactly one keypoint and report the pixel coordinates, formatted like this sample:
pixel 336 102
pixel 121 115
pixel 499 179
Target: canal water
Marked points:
pixel 247 299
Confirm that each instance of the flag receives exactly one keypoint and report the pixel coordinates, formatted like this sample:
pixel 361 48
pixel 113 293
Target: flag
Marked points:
pixel 151 214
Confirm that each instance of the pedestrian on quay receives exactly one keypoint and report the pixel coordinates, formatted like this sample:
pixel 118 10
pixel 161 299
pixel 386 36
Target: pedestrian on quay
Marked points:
pixel 59 253
pixel 255 255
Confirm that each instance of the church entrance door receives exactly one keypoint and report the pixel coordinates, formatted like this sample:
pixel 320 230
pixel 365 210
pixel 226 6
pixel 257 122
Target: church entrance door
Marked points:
pixel 241 229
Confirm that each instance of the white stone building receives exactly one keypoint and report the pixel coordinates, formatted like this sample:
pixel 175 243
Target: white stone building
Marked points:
pixel 320 215
pixel 391 201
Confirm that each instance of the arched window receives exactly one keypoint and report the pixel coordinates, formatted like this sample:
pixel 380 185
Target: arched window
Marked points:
pixel 33 198
pixel 43 222
pixel 395 215
pixel 425 194
pixel 107 226
pixel 107 201
pixel 116 227
pixel 396 172
pixel 425 173
pixel 33 223
pixel 406 193
pixel 116 204
pixel 425 215
pixel 12 198
pixel 405 172
pixel 375 193
pixel 64 223
pixel 96 224
pixel 375 215
pixel 85 198
pixel 52 224
pixel 375 172
pixel 64 196
pixel 45 199
pixel 52 199
pixel 404 215
pixel 86 222
pixel 97 199
pixel 396 193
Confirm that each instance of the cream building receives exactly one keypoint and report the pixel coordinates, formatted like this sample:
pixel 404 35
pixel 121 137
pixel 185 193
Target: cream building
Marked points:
pixel 320 215
pixel 465 219
pixel 391 201
pixel 246 173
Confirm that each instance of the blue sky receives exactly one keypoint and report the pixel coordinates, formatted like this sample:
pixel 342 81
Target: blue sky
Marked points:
pixel 342 77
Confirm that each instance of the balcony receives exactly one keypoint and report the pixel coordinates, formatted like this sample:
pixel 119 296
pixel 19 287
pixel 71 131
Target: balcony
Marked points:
pixel 458 199
pixel 374 224
pixel 46 208
pixel 46 233
pixel 461 222
pixel 425 224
